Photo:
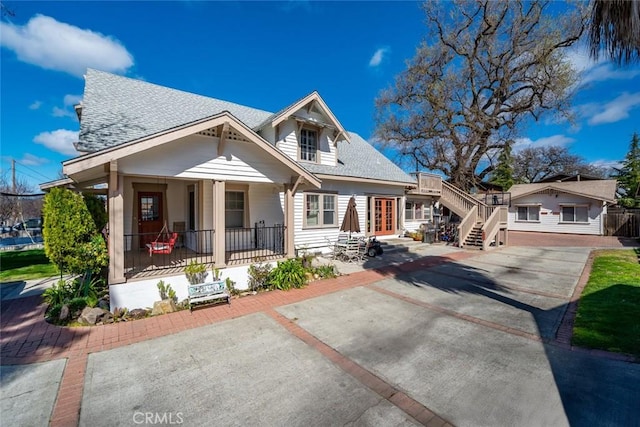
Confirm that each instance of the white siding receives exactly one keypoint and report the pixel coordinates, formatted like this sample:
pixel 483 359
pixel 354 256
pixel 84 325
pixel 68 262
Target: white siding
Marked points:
pixel 316 238
pixel 196 157
pixel 264 204
pixel 550 214
pixel 269 133
pixel 289 143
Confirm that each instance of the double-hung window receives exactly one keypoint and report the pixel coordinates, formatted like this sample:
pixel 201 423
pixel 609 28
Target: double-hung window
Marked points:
pixel 529 213
pixel 308 145
pixel 575 213
pixel 234 209
pixel 416 211
pixel 320 210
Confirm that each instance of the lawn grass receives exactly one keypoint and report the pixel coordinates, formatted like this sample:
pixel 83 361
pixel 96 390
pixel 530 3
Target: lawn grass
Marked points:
pixel 25 265
pixel 608 315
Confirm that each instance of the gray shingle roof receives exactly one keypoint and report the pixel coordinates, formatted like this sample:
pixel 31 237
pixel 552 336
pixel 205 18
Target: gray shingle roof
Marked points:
pixel 118 109
pixel 359 159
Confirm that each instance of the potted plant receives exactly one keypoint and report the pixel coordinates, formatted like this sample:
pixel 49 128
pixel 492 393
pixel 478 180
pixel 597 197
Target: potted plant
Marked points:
pixel 195 272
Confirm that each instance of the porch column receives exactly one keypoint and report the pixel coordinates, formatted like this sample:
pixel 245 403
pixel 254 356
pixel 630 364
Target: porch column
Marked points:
pixel 219 241
pixel 401 213
pixel 289 221
pixel 116 226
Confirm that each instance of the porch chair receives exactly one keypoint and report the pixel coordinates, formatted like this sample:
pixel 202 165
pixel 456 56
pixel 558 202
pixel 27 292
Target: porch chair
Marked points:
pixel 163 246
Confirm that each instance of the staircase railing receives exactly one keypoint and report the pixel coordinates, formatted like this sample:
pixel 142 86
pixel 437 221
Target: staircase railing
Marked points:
pixel 457 200
pixel 466 225
pixel 494 223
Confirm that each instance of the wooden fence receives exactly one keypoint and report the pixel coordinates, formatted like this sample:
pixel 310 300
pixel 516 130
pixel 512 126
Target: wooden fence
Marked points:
pixel 622 223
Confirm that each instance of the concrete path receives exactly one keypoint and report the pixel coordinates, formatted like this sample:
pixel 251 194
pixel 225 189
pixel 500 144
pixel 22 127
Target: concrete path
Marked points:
pixel 456 337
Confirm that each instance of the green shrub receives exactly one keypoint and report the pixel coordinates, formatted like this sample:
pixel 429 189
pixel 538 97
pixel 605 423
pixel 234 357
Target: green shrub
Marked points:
pixel 96 206
pixel 259 276
pixel 77 304
pixel 71 240
pixel 195 272
pixel 53 313
pixel 231 286
pixel 326 271
pixel 58 294
pixel 288 274
pixel 166 291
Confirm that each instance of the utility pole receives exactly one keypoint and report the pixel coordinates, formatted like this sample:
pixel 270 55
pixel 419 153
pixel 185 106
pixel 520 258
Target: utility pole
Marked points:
pixel 13 175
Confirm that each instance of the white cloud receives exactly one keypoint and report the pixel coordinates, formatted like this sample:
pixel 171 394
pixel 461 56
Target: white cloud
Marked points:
pixel 35 105
pixel 615 110
pixel 60 140
pixel 607 164
pixel 554 140
pixel 31 160
pixel 54 45
pixel 378 56
pixel 66 111
pixel 71 100
pixel 598 71
pixel 62 112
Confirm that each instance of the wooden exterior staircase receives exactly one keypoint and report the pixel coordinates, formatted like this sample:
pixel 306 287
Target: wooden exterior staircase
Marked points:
pixel 481 223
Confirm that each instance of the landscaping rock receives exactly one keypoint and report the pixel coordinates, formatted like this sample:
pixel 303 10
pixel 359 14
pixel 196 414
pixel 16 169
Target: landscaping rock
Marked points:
pixel 137 313
pixel 163 307
pixel 91 316
pixel 64 313
pixel 103 304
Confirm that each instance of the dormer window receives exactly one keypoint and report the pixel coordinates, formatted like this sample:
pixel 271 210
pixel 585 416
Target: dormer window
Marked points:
pixel 309 145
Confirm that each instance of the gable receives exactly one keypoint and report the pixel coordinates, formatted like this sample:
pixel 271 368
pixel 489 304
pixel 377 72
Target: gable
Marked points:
pixel 603 190
pixel 224 124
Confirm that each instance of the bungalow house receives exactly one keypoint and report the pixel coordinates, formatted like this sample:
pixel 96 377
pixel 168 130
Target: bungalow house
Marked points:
pixel 575 207
pixel 235 184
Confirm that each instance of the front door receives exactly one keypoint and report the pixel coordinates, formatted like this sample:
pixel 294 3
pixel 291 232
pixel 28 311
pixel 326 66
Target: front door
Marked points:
pixel 150 218
pixel 385 216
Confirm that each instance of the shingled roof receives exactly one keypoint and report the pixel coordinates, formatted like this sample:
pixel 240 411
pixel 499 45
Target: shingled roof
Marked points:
pixel 358 159
pixel 117 109
pixel 604 189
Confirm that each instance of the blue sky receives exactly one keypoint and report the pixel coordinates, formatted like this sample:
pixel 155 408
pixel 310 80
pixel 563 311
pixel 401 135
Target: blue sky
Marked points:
pixel 262 54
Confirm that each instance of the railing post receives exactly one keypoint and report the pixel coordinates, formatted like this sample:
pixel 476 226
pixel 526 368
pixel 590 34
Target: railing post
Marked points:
pixel 289 201
pixel 219 254
pixel 116 227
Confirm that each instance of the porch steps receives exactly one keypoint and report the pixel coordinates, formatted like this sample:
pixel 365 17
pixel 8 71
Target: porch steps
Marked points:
pixel 474 239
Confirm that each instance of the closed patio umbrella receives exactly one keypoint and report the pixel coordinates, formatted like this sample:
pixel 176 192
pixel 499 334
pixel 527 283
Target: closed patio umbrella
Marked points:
pixel 350 223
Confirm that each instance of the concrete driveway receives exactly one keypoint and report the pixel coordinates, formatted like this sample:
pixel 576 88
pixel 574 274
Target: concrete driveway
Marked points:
pixel 456 338
pixel 471 341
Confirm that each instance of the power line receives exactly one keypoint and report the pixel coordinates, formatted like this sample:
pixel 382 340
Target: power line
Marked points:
pixel 25 166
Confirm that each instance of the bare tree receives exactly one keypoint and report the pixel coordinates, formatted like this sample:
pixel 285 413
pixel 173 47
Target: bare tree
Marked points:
pixel 485 67
pixel 537 163
pixel 18 204
pixel 615 26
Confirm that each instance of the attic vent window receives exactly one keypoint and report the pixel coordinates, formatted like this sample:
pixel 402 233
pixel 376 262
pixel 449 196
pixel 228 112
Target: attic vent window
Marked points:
pixel 209 132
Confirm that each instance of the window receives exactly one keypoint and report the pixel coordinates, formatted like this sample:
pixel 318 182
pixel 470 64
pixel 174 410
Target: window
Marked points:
pixel 528 213
pixel 234 209
pixel 574 214
pixel 308 145
pixel 416 211
pixel 320 210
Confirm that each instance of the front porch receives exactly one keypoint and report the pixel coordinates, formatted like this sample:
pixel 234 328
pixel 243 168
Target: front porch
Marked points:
pixel 243 246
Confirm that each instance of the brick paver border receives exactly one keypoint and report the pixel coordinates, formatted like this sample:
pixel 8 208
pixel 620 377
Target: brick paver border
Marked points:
pixel 28 338
pixel 410 406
